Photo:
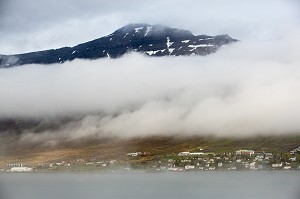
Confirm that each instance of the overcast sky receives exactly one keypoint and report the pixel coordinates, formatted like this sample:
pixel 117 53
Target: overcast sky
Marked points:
pixel 42 24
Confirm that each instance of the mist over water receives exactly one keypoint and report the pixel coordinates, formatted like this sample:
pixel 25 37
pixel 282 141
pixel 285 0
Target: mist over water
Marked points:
pixel 213 185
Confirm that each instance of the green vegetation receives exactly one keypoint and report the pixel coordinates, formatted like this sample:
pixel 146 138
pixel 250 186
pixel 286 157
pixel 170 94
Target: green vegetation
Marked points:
pixel 158 152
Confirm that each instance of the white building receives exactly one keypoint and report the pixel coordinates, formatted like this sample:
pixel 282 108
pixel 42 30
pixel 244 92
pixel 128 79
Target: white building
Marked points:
pixel 212 168
pixel 21 169
pixel 252 164
pixel 175 169
pixel 293 159
pixel 277 165
pixel 135 154
pixel 187 167
pixel 184 153
pixel 197 153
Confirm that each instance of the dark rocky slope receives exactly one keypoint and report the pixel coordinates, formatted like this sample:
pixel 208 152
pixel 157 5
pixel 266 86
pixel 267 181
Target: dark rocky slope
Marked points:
pixel 152 40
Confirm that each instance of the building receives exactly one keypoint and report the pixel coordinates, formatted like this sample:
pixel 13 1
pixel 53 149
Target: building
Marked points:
pixel 188 167
pixel 293 159
pixel 135 154
pixel 21 169
pixel 184 153
pixel 196 153
pixel 259 158
pixel 245 152
pixel 277 165
pixel 175 169
pixel 287 167
pixel 212 168
pixel 187 153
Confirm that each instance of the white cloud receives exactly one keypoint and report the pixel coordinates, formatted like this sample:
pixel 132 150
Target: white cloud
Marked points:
pixel 244 89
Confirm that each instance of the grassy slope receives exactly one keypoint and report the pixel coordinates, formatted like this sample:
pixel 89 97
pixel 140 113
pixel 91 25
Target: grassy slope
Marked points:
pixel 107 149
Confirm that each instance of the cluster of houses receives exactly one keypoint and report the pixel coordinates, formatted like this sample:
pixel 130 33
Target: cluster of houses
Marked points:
pixel 296 150
pixel 239 160
pixel 135 154
pixel 19 167
pixel 101 163
pixel 59 164
pixel 243 159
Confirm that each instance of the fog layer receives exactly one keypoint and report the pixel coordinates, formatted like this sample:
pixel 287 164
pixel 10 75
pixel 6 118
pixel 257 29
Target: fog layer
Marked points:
pixel 243 89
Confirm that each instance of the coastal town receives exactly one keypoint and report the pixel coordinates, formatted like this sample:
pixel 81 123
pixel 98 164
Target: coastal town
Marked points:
pixel 199 160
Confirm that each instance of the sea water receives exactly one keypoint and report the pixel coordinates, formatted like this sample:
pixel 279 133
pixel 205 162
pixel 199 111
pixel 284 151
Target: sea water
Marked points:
pixel 209 185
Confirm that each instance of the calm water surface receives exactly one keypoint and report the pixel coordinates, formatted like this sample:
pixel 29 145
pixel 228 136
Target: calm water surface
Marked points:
pixel 210 185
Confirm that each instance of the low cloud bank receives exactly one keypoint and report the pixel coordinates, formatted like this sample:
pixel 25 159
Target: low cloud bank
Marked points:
pixel 244 89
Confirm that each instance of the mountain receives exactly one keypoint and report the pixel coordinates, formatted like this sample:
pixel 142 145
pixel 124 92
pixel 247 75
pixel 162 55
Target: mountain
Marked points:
pixel 152 40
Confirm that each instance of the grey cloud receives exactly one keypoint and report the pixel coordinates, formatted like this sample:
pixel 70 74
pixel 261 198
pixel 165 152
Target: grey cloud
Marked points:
pixel 35 25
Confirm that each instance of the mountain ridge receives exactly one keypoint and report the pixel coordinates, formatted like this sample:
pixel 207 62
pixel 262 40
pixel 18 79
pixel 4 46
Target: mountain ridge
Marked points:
pixel 151 40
